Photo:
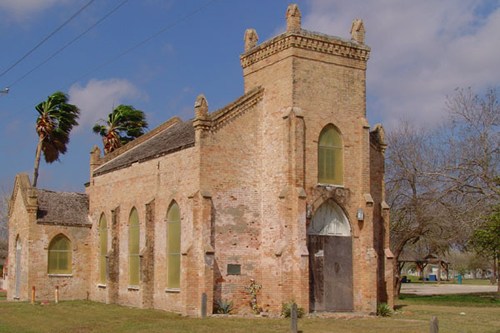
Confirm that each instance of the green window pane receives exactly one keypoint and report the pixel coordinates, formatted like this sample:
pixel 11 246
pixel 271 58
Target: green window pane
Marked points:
pixel 102 270
pixel 174 271
pixel 133 248
pixel 52 262
pixel 173 246
pixel 134 239
pixel 63 260
pixel 103 243
pixel 134 273
pixel 59 256
pixel 174 213
pixel 174 239
pixel 330 157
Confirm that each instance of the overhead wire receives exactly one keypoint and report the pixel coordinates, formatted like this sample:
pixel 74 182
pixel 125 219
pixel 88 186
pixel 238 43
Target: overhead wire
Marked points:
pixel 70 42
pixel 146 40
pixel 46 38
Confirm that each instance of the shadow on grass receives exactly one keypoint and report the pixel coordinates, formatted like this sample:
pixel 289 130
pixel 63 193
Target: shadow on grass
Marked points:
pixel 399 306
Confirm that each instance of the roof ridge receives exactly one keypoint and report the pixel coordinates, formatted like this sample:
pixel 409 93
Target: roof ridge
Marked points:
pixel 60 192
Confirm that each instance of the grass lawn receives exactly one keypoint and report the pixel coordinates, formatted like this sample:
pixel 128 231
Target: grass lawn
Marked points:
pixel 3 294
pixel 469 314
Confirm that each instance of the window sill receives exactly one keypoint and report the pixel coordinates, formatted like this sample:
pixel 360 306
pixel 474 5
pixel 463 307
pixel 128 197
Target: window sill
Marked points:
pixel 133 288
pixel 60 275
pixel 329 185
pixel 101 286
pixel 173 290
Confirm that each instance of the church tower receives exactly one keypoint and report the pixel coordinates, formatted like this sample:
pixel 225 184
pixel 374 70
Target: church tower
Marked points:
pixel 332 233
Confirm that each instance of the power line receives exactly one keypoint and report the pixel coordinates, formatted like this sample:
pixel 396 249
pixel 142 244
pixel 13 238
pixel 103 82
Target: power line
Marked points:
pixel 46 38
pixel 141 43
pixel 70 42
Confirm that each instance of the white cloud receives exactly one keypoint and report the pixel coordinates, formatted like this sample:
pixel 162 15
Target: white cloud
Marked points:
pixel 23 9
pixel 421 50
pixel 98 98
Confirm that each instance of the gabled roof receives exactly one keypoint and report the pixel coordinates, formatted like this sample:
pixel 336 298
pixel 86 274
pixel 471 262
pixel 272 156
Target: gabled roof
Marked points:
pixel 57 208
pixel 176 137
pixel 173 135
pixel 62 208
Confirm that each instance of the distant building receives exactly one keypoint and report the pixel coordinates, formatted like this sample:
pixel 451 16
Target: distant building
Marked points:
pixel 284 186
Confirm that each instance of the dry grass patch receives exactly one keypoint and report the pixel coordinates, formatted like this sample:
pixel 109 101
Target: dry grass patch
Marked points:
pixel 412 316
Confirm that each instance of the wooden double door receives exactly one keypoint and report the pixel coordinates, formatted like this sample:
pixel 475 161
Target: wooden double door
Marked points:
pixel 330 269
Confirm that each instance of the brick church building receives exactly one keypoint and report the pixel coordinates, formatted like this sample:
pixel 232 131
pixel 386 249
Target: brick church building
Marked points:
pixel 284 187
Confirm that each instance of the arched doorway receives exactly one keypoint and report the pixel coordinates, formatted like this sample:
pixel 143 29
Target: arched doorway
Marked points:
pixel 330 259
pixel 17 293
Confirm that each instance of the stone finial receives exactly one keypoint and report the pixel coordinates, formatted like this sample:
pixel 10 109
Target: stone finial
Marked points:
pixel 95 155
pixel 95 159
pixel 201 107
pixel 358 31
pixel 380 133
pixel 293 18
pixel 251 39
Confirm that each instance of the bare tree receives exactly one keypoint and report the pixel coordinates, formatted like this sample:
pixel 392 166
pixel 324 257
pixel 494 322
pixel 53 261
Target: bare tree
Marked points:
pixel 442 184
pixel 3 224
pixel 412 192
pixel 472 176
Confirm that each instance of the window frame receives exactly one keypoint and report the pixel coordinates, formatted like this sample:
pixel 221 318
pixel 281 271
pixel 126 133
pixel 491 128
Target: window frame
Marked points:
pixel 330 153
pixel 103 249
pixel 59 256
pixel 134 237
pixel 173 250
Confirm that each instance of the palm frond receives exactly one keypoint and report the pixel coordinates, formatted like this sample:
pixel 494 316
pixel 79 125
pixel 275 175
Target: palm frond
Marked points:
pixel 123 124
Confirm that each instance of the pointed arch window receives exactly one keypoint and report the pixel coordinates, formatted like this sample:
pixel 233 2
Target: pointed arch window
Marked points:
pixel 330 157
pixel 103 248
pixel 133 248
pixel 59 255
pixel 173 246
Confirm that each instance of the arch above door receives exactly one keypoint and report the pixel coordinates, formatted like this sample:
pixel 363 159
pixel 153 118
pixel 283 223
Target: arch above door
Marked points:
pixel 329 220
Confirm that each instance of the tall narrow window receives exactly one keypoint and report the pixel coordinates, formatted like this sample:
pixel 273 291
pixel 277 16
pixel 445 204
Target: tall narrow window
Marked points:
pixel 330 159
pixel 134 272
pixel 59 255
pixel 103 248
pixel 173 247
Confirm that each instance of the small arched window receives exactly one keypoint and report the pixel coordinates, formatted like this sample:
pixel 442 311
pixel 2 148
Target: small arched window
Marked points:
pixel 330 157
pixel 133 248
pixel 103 248
pixel 59 255
pixel 173 246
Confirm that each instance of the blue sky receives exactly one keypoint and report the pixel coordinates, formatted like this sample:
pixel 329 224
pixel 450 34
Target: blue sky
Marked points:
pixel 421 51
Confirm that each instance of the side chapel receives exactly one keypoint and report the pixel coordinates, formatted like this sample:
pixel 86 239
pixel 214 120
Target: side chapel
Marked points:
pixel 284 186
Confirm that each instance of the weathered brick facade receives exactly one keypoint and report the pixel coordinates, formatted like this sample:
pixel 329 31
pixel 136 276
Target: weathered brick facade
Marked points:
pixel 32 226
pixel 246 181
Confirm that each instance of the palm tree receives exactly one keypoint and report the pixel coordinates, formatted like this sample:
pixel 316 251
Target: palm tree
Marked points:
pixel 55 120
pixel 124 124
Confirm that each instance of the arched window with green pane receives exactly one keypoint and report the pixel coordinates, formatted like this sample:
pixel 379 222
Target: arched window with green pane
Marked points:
pixel 103 248
pixel 60 255
pixel 173 246
pixel 330 157
pixel 134 270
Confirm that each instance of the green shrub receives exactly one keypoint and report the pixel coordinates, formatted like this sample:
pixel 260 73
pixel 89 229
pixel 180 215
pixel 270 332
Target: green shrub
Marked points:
pixel 286 310
pixel 222 306
pixel 384 310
